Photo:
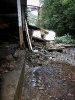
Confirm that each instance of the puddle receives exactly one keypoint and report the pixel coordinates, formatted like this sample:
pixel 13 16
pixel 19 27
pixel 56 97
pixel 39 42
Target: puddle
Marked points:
pixel 33 82
pixel 35 76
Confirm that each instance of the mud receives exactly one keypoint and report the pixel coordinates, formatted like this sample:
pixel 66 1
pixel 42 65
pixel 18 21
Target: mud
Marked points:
pixel 50 83
pixel 50 75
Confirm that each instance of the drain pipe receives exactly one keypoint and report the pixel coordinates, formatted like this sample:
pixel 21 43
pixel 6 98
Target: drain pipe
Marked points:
pixel 20 23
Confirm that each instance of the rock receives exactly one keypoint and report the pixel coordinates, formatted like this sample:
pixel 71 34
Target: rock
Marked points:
pixel 39 63
pixel 69 94
pixel 27 67
pixel 9 57
pixel 38 96
pixel 6 71
pixel 73 57
pixel 35 51
pixel 34 56
pixel 1 69
pixel 50 58
pixel 41 88
pixel 10 67
pixel 41 58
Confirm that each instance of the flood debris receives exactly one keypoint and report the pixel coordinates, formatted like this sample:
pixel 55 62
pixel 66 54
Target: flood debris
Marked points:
pixel 9 54
pixel 50 74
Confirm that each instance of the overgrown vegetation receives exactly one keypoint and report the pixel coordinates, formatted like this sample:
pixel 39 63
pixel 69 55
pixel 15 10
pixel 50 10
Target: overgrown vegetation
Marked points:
pixel 32 19
pixel 66 39
pixel 58 15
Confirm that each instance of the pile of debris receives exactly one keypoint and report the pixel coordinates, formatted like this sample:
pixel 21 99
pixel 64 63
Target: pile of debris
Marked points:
pixel 50 75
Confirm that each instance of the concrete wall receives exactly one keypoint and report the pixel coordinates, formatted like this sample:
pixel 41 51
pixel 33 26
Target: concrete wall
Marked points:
pixel 37 34
pixel 50 36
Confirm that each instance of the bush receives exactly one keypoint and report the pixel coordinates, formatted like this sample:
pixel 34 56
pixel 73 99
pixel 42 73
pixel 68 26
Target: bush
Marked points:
pixel 66 39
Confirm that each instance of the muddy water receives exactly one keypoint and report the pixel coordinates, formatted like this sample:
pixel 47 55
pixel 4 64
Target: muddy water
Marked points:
pixel 53 82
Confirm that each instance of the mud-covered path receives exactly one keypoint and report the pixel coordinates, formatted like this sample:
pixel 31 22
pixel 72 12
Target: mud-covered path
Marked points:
pixel 49 76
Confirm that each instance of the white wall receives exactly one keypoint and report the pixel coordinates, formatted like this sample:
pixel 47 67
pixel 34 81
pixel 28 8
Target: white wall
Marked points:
pixel 50 36
pixel 37 34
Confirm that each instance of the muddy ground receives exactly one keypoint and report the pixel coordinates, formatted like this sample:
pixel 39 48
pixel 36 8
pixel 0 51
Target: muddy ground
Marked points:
pixel 49 70
pixel 49 75
pixel 11 63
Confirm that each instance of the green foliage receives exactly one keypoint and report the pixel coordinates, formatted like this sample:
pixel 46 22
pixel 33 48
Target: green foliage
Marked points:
pixel 41 1
pixel 32 19
pixel 58 15
pixel 66 39
pixel 65 2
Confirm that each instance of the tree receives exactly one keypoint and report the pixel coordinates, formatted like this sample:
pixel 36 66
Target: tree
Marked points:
pixel 70 15
pixel 32 19
pixel 58 15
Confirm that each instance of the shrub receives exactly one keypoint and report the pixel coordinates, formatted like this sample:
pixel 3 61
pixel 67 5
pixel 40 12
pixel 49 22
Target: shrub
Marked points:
pixel 66 39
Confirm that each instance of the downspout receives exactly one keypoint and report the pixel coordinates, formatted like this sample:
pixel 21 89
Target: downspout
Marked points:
pixel 20 23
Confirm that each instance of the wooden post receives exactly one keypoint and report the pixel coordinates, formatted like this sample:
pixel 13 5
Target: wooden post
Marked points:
pixel 23 17
pixel 20 23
